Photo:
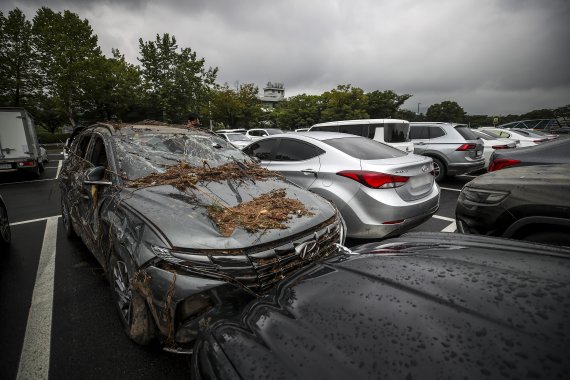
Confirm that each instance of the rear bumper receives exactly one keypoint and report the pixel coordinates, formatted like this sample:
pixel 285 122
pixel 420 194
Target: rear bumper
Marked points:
pixel 463 168
pixel 367 218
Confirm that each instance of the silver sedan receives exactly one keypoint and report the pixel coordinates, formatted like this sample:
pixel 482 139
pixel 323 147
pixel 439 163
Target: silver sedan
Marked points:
pixel 379 190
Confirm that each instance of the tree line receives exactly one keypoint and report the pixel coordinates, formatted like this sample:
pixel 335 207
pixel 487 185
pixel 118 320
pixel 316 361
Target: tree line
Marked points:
pixel 54 67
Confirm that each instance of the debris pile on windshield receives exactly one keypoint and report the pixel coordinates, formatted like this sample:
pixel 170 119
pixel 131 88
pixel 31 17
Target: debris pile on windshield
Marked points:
pixel 268 211
pixel 183 176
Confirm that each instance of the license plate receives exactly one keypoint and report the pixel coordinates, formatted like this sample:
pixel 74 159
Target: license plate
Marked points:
pixel 421 180
pixel 5 166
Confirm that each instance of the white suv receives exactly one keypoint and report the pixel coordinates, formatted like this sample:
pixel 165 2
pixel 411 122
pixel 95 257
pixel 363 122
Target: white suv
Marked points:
pixel 392 132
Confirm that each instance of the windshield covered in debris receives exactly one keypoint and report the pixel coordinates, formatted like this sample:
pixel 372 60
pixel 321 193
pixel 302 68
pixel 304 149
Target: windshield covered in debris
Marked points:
pixel 141 153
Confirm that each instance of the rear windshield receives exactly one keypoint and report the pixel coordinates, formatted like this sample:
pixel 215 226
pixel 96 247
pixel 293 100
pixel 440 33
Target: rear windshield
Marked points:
pixel 466 132
pixel 363 148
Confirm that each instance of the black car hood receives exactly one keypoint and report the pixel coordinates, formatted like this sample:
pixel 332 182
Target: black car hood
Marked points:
pixel 182 217
pixel 425 307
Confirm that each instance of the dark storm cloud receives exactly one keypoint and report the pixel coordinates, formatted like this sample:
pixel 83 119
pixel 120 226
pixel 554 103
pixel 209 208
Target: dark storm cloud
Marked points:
pixel 492 56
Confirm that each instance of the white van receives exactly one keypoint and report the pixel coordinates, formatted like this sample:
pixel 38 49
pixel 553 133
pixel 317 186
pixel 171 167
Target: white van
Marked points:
pixel 394 132
pixel 19 146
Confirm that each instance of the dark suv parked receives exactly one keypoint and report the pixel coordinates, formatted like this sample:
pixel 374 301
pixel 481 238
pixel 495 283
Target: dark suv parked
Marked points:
pixel 454 148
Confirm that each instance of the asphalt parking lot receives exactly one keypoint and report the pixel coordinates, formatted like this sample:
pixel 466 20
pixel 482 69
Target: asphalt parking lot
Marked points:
pixel 57 318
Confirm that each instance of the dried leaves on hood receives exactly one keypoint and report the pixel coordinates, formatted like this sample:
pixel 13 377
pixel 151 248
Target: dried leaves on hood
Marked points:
pixel 268 211
pixel 183 176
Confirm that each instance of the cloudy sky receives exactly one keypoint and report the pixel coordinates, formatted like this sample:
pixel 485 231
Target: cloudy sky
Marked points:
pixel 494 57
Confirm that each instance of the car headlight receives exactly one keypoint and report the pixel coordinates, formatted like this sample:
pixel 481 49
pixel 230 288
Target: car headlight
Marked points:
pixel 486 197
pixel 183 259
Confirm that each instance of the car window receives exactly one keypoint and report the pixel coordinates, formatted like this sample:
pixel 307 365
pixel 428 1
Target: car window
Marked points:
pixel 495 134
pixel 419 132
pixel 482 136
pixel 364 148
pixel 272 132
pixel 293 150
pixel 466 132
pixel 435 132
pixel 354 129
pixel 262 149
pixel 396 132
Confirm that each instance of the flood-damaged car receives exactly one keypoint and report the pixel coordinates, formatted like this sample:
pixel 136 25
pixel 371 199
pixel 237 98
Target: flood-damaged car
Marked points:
pixel 187 227
pixel 420 306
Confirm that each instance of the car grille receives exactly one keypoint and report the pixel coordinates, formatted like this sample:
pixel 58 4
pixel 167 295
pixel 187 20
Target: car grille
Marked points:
pixel 260 269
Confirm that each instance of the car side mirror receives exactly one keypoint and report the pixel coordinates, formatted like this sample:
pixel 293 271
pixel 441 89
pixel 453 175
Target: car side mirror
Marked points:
pixel 94 176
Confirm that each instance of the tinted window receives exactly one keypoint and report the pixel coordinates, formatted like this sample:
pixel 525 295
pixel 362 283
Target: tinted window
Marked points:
pixel 483 136
pixel 364 149
pixel 354 129
pixel 419 132
pixel 327 128
pixel 466 132
pixel 396 132
pixel 492 133
pixel 262 149
pixel 293 150
pixel 435 132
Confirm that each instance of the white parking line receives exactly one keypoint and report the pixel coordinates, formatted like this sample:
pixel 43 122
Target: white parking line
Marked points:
pixel 58 169
pixel 34 220
pixel 451 228
pixel 443 218
pixel 34 359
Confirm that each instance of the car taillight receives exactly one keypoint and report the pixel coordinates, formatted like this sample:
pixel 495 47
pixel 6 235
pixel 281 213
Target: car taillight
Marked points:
pixel 501 163
pixel 27 163
pixel 375 180
pixel 467 147
pixel 500 146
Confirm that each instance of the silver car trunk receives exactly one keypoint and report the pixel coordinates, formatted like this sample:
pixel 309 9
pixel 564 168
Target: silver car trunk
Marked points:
pixel 417 168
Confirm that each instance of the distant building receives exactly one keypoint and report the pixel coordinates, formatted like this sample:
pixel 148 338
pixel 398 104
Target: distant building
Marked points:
pixel 272 94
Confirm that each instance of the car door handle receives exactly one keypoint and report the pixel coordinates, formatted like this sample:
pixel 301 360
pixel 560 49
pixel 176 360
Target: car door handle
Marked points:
pixel 421 143
pixel 309 171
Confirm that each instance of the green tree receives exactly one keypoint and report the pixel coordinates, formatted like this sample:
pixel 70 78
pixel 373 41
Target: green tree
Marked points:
pixel 236 109
pixel 384 104
pixel 539 114
pixel 344 103
pixel 446 111
pixel 67 52
pixel 18 66
pixel 301 111
pixel 116 92
pixel 174 82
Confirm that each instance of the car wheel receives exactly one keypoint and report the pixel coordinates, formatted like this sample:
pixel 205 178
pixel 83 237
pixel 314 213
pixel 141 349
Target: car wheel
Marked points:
pixel 439 169
pixel 66 220
pixel 5 232
pixel 133 310
pixel 548 237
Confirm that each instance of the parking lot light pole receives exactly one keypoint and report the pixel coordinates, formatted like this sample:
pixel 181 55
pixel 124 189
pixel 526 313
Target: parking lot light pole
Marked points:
pixel 419 109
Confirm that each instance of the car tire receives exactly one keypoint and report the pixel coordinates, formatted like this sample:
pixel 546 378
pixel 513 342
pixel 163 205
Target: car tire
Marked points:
pixel 439 169
pixel 132 308
pixel 548 237
pixel 5 232
pixel 66 220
